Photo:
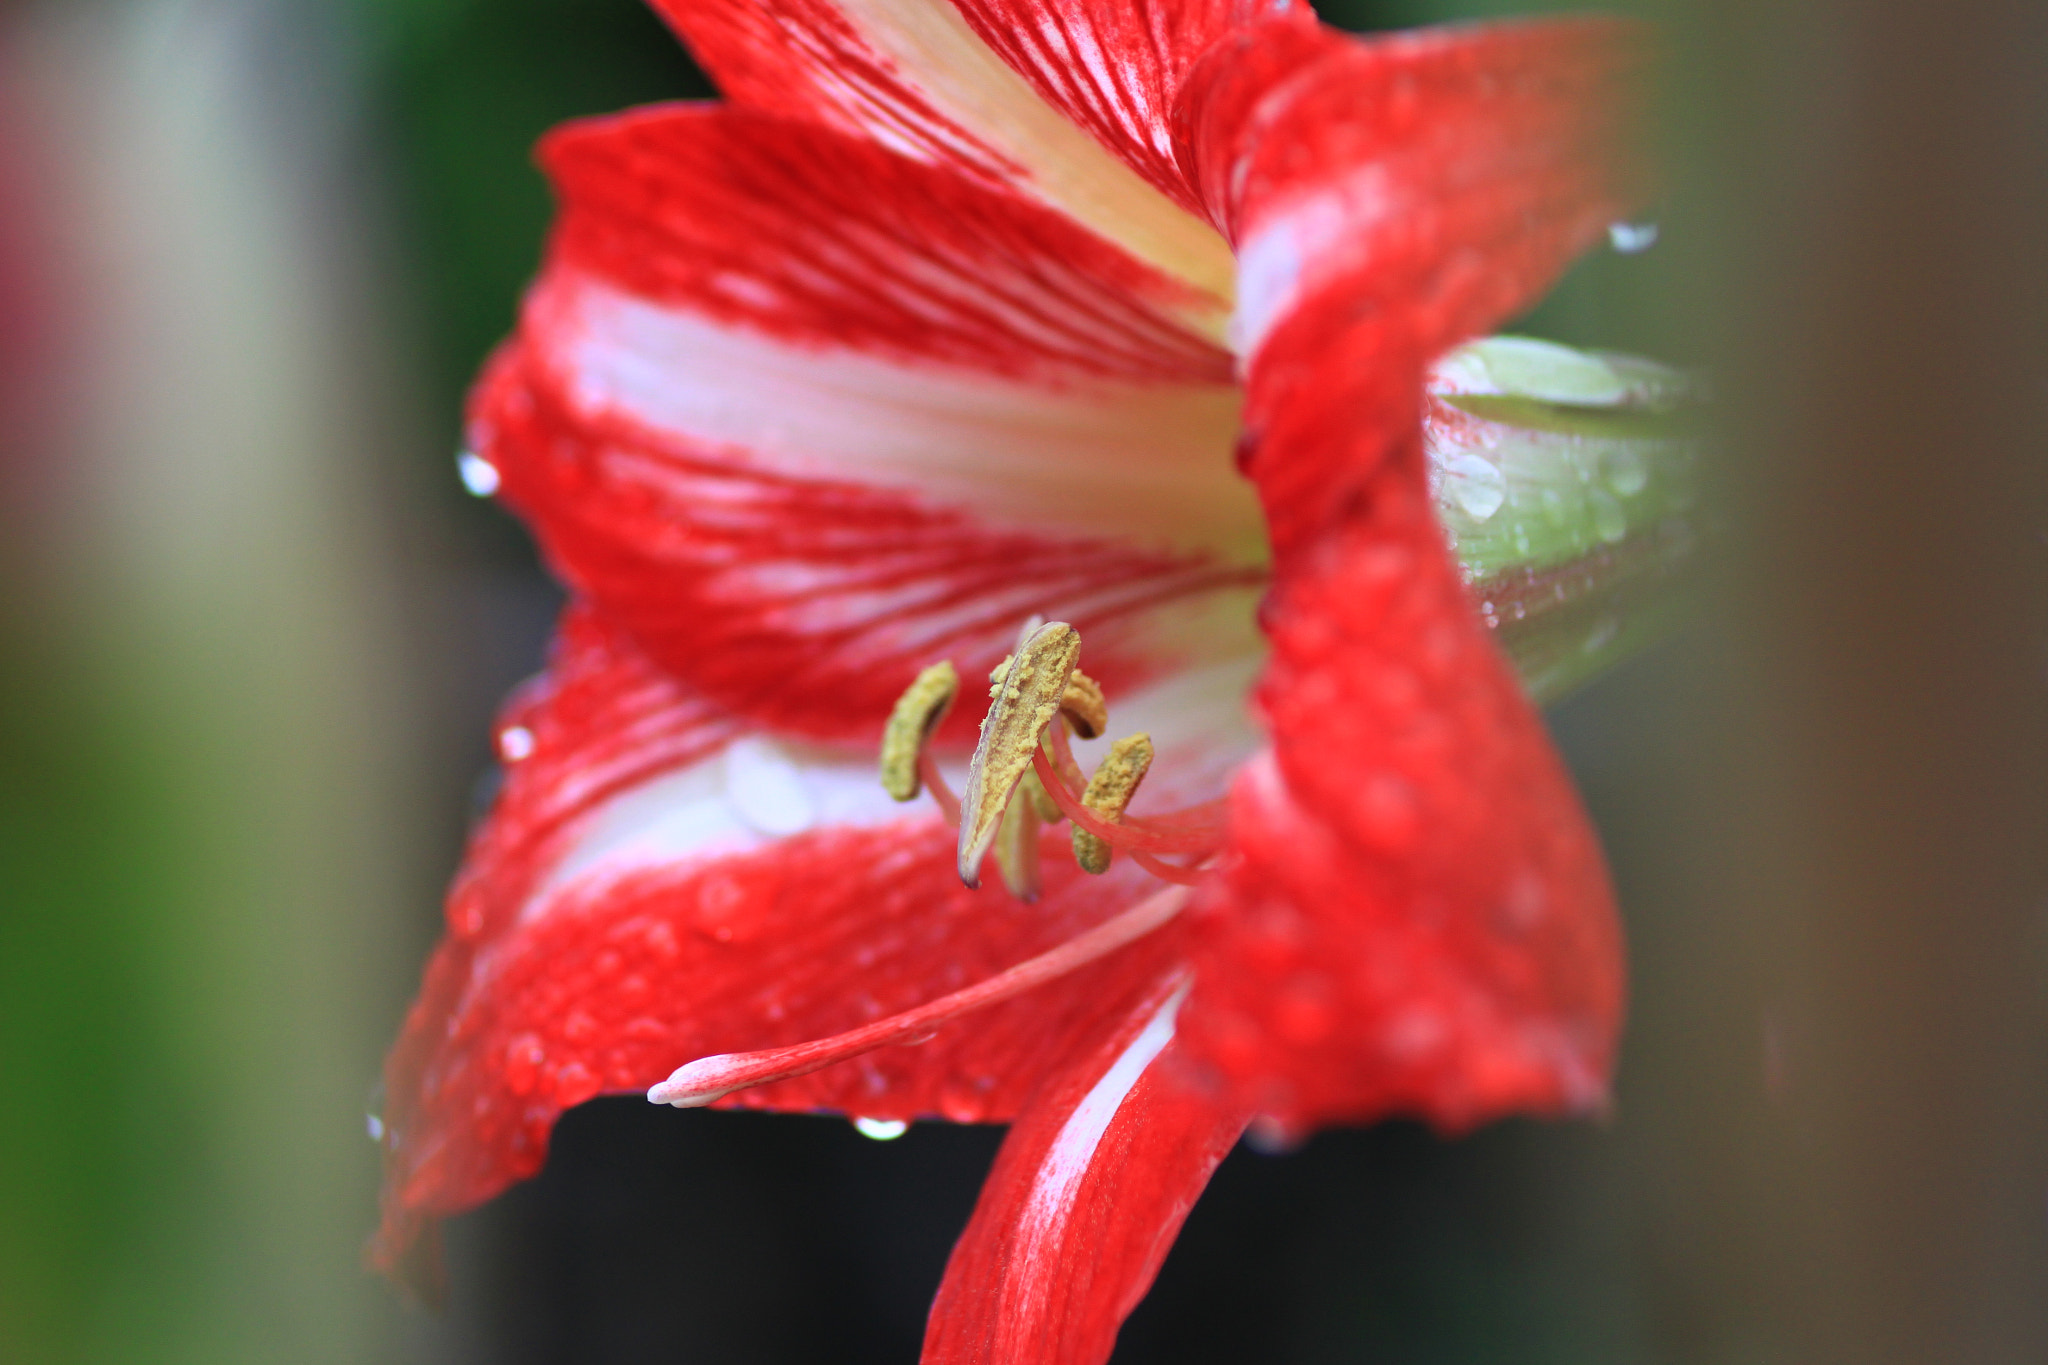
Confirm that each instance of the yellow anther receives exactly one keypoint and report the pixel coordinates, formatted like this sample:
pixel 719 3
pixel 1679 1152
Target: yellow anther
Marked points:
pixel 1084 706
pixel 1109 791
pixel 1016 847
pixel 918 712
pixel 1025 700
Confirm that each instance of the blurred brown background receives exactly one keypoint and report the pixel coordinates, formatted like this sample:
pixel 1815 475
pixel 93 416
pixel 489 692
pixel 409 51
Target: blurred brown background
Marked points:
pixel 252 633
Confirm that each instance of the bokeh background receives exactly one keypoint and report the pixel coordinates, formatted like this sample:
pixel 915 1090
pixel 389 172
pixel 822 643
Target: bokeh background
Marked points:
pixel 252 632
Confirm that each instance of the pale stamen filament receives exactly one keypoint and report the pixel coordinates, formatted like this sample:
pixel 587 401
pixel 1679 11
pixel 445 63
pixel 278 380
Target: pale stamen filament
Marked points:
pixel 710 1079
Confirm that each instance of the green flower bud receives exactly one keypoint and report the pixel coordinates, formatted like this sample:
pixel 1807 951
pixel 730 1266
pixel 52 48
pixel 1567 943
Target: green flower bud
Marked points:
pixel 1566 482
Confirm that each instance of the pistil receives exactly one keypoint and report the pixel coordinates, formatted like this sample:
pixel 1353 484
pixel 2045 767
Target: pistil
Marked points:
pixel 710 1079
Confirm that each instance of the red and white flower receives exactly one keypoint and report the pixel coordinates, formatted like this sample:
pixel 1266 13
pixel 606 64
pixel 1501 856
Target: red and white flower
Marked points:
pixel 958 313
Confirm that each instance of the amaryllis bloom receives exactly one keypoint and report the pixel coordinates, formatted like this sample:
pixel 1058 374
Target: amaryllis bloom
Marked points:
pixel 959 316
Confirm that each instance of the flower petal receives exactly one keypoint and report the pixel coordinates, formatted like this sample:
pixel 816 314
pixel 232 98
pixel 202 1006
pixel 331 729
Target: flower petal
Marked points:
pixel 1448 172
pixel 1415 917
pixel 1090 1188
pixel 913 75
pixel 804 435
pixel 819 238
pixel 655 885
pixel 1116 68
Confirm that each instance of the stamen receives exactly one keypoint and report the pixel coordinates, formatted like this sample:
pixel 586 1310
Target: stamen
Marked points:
pixel 1024 703
pixel 1084 706
pixel 712 1078
pixel 1049 812
pixel 1194 830
pixel 1083 703
pixel 1109 791
pixel 1165 871
pixel 918 712
pixel 1017 844
pixel 941 790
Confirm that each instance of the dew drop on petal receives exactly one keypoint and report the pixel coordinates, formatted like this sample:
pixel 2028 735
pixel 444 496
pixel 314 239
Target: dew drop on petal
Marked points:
pixel 523 1058
pixel 963 1102
pixel 479 475
pixel 1268 1136
pixel 1625 472
pixel 1476 484
pixel 881 1130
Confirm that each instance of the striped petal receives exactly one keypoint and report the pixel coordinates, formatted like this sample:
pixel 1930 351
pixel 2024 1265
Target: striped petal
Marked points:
pixel 920 77
pixel 1400 195
pixel 1416 917
pixel 1087 1194
pixel 657 883
pixel 804 415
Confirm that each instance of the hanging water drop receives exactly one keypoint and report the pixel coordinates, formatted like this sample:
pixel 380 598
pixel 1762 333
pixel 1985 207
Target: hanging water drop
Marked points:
pixel 1630 238
pixel 881 1130
pixel 479 475
pixel 515 743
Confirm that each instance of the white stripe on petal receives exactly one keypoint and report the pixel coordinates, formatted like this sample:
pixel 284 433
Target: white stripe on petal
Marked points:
pixel 1068 1159
pixel 1149 463
pixel 967 82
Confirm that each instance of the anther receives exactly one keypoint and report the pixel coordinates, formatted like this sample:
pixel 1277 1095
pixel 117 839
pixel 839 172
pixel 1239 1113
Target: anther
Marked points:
pixel 918 712
pixel 1109 791
pixel 1025 701
pixel 1083 704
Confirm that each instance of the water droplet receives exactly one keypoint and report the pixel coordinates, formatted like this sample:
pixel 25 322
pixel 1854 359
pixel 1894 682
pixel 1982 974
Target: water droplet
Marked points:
pixel 765 788
pixel 523 1058
pixel 1610 523
pixel 515 743
pixel 575 1083
pixel 1476 485
pixel 1268 1136
pixel 881 1130
pixel 376 1127
pixel 1629 238
pixel 479 475
pixel 963 1102
pixel 1625 471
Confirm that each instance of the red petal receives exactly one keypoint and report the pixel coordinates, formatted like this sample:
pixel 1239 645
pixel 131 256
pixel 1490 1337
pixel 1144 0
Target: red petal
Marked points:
pixel 912 75
pixel 588 953
pixel 1416 915
pixel 1090 1188
pixel 1450 173
pixel 1116 68
pixel 825 239
pixel 744 321
pixel 1417 918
